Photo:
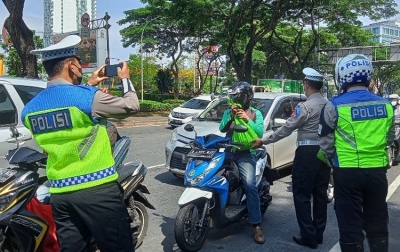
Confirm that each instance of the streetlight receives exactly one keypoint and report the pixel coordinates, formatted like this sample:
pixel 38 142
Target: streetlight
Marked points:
pixel 141 54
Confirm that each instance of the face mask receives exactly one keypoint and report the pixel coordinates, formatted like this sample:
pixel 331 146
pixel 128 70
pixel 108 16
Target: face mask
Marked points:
pixel 79 78
pixel 394 103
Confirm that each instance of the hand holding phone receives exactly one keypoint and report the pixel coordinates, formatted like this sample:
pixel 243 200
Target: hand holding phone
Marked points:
pixel 112 70
pixel 123 72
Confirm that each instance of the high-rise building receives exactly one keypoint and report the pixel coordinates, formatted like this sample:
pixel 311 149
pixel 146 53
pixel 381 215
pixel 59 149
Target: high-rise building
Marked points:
pixel 63 16
pixel 385 32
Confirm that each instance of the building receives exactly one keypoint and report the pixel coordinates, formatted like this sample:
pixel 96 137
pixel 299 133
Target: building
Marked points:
pixel 63 16
pixel 385 32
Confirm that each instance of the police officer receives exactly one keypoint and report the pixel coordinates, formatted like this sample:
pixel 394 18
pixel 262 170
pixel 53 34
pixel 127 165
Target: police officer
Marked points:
pixel 355 128
pixel 310 175
pixel 66 119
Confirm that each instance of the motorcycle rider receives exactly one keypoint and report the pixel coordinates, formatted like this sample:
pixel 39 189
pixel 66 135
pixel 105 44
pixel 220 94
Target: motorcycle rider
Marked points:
pixel 68 122
pixel 355 129
pixel 242 93
pixel 310 175
pixel 394 100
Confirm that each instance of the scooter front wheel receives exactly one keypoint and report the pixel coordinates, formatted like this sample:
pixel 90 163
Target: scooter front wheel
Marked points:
pixel 189 235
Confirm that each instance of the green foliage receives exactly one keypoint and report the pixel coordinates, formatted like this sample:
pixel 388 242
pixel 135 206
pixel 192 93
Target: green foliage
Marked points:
pixel 116 92
pixel 261 38
pixel 173 101
pixel 149 71
pixel 13 62
pixel 150 106
pixel 164 81
pixel 164 97
pixel 387 77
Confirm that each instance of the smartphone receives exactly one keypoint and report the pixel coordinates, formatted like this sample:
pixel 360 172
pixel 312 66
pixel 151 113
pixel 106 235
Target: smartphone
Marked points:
pixel 111 70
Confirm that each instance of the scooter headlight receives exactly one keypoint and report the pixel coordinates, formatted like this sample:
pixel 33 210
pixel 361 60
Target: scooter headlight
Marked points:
pixel 196 180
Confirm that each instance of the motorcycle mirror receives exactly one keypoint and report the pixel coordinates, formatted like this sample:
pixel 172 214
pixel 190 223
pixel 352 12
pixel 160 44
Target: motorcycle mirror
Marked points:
pixel 239 128
pixel 189 127
pixel 14 132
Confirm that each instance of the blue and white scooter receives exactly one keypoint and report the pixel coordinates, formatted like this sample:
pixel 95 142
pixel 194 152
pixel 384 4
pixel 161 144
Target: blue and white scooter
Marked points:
pixel 214 197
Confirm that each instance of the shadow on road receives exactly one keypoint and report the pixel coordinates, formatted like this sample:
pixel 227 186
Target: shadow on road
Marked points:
pixel 168 178
pixel 167 229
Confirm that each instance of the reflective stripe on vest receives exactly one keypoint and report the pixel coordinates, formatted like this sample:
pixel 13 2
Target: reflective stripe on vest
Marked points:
pixel 84 147
pixel 82 178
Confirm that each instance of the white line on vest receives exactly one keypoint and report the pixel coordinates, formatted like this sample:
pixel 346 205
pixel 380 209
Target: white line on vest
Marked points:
pixel 392 188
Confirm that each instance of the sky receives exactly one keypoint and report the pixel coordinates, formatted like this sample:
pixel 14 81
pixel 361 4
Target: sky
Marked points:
pixel 33 17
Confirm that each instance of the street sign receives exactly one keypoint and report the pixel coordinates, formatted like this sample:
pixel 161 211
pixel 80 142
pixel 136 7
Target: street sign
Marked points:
pixel 85 32
pixel 85 20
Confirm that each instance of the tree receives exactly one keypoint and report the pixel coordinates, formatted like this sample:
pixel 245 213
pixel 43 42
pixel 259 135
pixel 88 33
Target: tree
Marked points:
pixel 149 68
pixel 161 29
pixel 296 39
pixel 386 76
pixel 14 63
pixel 21 36
pixel 164 81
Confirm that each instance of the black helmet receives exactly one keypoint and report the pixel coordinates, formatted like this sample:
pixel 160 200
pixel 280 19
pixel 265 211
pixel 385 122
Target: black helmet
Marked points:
pixel 241 92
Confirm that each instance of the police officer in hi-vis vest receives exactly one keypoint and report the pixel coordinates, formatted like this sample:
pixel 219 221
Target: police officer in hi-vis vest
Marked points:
pixel 310 176
pixel 355 129
pixel 66 121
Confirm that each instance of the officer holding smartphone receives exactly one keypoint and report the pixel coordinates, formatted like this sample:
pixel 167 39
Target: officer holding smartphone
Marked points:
pixel 68 121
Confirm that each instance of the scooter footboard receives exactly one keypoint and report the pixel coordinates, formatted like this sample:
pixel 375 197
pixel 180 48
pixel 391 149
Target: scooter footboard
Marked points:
pixel 191 194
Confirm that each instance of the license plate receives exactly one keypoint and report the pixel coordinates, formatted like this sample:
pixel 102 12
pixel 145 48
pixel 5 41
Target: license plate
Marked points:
pixel 176 122
pixel 198 153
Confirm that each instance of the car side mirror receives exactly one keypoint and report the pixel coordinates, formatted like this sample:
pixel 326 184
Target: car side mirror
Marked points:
pixel 278 122
pixel 189 127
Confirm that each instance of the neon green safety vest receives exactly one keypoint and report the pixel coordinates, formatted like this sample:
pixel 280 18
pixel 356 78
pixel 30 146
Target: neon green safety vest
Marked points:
pixel 79 151
pixel 361 131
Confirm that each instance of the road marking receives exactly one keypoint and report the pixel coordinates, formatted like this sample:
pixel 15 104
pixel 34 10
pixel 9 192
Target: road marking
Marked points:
pixel 392 188
pixel 155 166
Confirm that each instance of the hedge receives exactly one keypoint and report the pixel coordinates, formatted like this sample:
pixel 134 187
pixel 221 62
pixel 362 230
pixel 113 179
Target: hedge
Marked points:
pixel 156 97
pixel 150 106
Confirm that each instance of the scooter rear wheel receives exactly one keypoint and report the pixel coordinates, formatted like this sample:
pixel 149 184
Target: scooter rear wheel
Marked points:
pixel 189 236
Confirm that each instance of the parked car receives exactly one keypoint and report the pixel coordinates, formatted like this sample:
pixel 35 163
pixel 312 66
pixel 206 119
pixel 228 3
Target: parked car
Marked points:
pixel 192 108
pixel 275 108
pixel 14 94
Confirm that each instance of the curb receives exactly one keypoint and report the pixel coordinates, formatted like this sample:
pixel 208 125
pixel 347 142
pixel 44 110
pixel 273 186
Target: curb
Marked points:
pixel 139 123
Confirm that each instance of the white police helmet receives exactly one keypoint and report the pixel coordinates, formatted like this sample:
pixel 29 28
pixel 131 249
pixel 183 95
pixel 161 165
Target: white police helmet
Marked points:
pixel 353 69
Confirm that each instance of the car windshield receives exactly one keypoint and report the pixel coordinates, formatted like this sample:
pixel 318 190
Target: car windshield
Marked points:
pixel 216 110
pixel 27 92
pixel 196 104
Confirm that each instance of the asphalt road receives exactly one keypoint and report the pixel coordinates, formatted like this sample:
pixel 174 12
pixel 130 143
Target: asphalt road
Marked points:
pixel 279 223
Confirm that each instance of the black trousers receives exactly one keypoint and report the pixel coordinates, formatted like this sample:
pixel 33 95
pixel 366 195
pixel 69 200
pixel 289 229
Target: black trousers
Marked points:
pixel 310 176
pixel 360 203
pixel 99 212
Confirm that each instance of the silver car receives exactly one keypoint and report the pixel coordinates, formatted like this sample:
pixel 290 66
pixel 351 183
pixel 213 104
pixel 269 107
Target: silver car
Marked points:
pixel 14 94
pixel 275 107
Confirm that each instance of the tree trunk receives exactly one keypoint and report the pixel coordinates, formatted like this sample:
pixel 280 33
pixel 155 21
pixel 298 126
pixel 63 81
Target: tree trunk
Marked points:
pixel 21 36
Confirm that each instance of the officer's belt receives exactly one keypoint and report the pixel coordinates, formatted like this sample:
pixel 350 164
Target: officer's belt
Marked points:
pixel 307 142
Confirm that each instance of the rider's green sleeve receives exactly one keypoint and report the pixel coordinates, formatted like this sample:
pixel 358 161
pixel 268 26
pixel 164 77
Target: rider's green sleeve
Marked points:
pixel 226 119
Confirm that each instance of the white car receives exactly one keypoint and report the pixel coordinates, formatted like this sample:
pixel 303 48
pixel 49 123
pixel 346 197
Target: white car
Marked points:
pixel 14 94
pixel 192 108
pixel 275 107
